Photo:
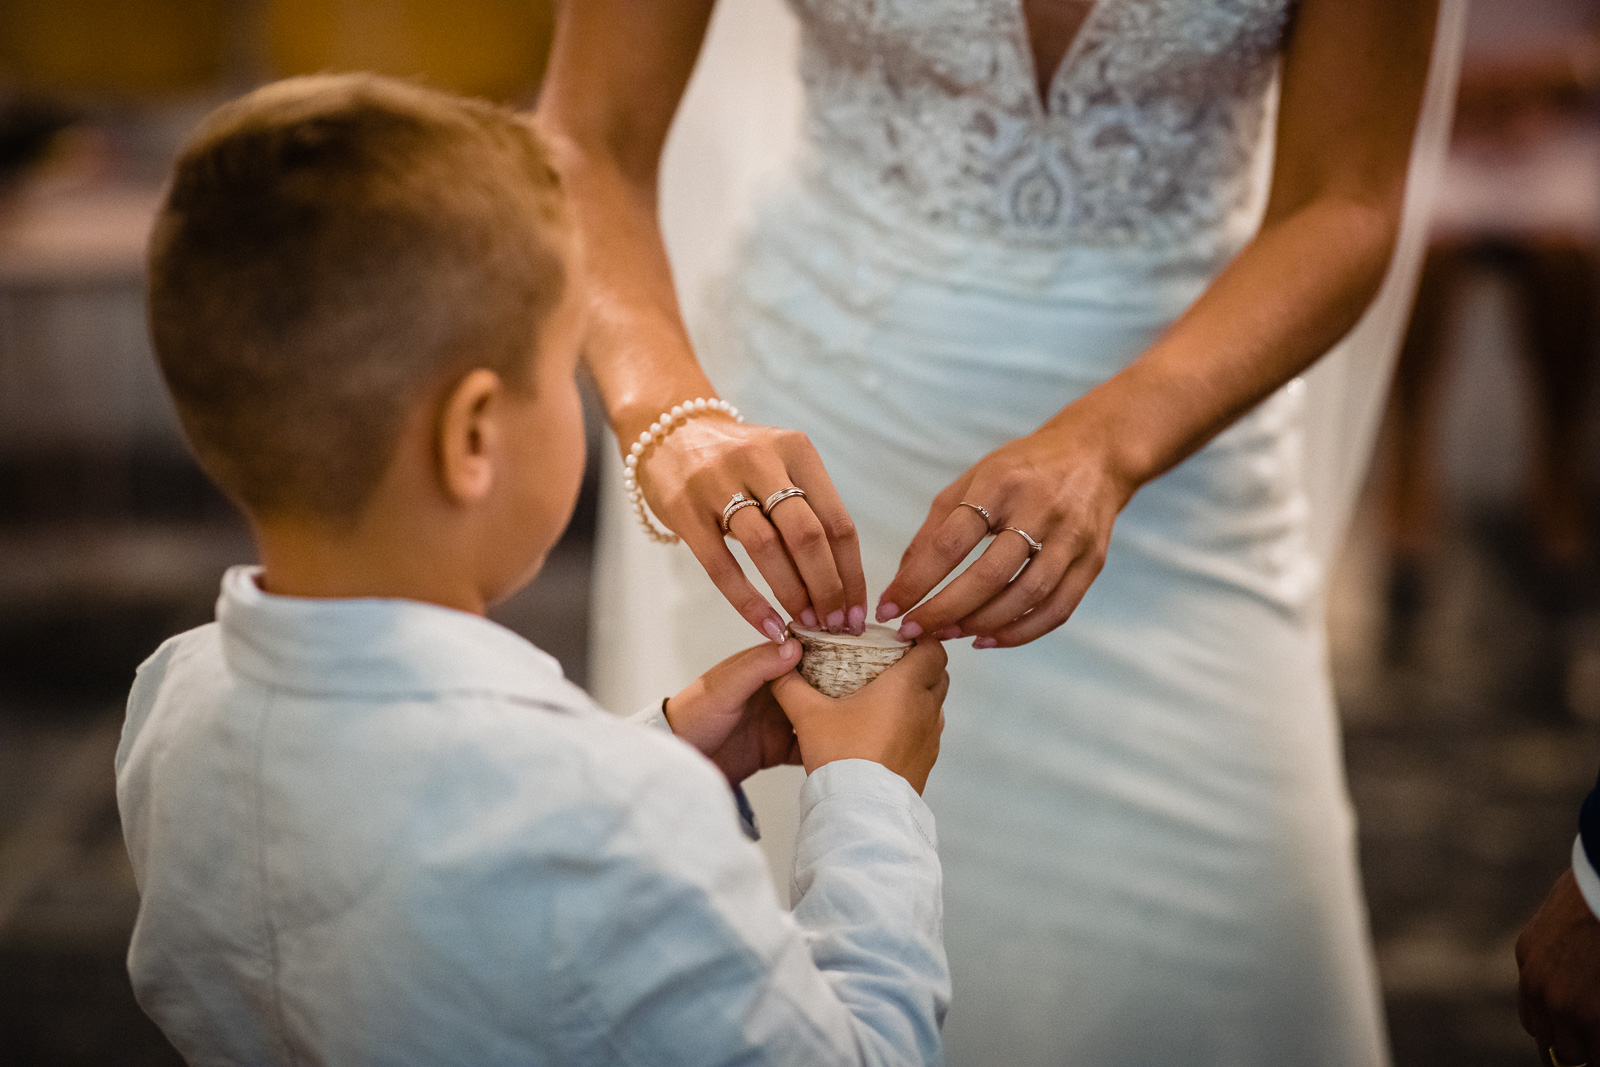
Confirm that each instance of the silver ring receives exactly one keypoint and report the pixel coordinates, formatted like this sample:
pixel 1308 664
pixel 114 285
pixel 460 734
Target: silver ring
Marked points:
pixel 988 519
pixel 1033 546
pixel 780 496
pixel 739 501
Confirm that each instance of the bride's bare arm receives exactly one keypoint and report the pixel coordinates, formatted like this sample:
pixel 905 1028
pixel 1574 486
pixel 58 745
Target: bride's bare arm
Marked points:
pixel 1353 78
pixel 617 72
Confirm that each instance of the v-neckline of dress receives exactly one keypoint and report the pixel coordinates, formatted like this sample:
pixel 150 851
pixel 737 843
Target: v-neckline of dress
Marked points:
pixel 1024 35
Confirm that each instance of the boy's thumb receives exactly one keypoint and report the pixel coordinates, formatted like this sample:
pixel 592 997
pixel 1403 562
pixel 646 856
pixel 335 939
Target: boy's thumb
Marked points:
pixel 749 670
pixel 928 660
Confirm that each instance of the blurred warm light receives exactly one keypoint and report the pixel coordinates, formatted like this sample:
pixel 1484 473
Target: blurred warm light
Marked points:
pixel 492 48
pixel 134 47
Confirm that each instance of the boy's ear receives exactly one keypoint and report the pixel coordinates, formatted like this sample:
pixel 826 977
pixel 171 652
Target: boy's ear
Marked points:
pixel 466 436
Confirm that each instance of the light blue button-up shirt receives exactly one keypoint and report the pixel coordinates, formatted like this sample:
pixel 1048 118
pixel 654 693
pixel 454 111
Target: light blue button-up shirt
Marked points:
pixel 385 832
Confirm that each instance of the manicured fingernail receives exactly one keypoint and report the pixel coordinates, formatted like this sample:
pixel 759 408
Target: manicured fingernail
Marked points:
pixel 809 619
pixel 888 610
pixel 835 618
pixel 910 631
pixel 774 630
pixel 985 642
pixel 949 633
pixel 789 649
pixel 858 619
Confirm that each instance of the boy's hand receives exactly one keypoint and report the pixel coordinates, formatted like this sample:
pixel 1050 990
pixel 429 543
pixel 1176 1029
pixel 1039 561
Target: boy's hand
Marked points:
pixel 729 714
pixel 896 720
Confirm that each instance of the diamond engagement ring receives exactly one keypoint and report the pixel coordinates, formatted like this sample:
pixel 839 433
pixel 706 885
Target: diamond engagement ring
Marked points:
pixel 780 496
pixel 1033 546
pixel 739 501
pixel 981 510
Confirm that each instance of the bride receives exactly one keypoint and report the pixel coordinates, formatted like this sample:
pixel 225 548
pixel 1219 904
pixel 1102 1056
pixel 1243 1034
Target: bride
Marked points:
pixel 1029 300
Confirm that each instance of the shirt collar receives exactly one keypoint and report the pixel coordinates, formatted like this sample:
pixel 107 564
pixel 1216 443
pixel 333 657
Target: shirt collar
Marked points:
pixel 377 647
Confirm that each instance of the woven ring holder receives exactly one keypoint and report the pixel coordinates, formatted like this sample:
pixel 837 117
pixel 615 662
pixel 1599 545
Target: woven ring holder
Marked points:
pixel 837 665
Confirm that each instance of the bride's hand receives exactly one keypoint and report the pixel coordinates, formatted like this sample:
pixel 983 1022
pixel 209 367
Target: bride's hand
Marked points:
pixel 1057 488
pixel 806 548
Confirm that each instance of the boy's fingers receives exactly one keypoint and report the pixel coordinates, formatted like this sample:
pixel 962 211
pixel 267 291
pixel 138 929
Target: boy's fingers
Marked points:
pixel 760 664
pixel 773 661
pixel 742 673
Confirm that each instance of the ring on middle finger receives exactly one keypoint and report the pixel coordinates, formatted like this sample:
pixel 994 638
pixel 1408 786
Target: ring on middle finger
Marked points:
pixel 739 501
pixel 1033 546
pixel 780 496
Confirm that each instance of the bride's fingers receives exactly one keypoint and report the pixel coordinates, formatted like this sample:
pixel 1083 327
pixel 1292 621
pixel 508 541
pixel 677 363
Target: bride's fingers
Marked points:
pixel 1055 610
pixel 766 549
pixel 947 536
pixel 705 541
pixel 981 583
pixel 938 512
pixel 806 467
pixel 1027 589
pixel 801 534
pixel 808 548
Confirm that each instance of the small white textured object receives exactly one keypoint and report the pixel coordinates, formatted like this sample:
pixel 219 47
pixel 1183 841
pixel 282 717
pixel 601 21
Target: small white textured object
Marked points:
pixel 837 665
pixel 632 463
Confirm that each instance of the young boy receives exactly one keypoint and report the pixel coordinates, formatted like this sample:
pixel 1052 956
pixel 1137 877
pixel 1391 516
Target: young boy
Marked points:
pixel 369 825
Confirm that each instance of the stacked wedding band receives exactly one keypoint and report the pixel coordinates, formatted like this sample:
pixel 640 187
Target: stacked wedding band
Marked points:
pixel 739 501
pixel 780 496
pixel 659 431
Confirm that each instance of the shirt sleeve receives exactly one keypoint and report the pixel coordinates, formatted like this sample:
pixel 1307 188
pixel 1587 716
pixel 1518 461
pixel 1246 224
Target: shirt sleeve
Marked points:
pixel 867 878
pixel 654 717
pixel 681 953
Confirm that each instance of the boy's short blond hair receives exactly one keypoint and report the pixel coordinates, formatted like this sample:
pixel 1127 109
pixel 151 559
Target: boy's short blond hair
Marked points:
pixel 330 248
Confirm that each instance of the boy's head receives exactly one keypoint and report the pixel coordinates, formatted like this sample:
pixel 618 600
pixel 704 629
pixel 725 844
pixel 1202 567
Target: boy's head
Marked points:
pixel 336 257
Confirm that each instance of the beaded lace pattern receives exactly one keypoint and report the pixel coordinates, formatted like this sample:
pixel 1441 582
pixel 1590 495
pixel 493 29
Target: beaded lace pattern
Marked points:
pixel 1146 137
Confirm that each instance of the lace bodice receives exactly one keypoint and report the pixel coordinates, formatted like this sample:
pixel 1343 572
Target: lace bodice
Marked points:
pixel 929 108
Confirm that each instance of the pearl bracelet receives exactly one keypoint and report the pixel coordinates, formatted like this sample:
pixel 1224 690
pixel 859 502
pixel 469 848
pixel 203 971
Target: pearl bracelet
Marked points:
pixel 648 439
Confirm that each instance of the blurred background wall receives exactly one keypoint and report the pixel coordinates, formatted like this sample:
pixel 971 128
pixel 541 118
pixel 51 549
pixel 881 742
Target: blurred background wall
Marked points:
pixel 96 488
pixel 1465 627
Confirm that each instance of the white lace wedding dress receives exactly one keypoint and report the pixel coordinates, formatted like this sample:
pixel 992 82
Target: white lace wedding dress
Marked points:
pixel 1148 848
